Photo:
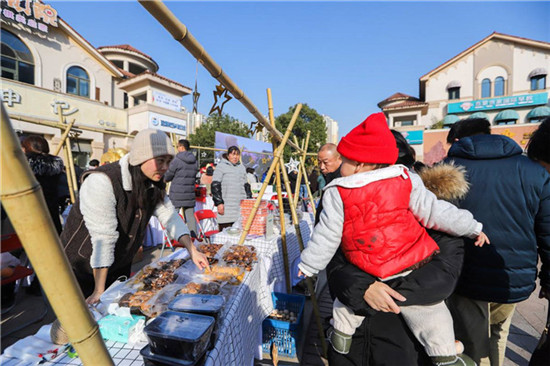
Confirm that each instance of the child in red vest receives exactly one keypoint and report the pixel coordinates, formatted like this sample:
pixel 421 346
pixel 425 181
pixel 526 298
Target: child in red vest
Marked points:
pixel 377 213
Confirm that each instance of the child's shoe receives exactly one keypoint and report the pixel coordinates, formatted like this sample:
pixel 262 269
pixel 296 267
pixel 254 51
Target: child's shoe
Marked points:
pixel 341 342
pixel 458 360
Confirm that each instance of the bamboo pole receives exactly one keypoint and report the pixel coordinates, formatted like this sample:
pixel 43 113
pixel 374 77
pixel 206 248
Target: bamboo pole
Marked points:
pixel 179 31
pixel 280 200
pixel 63 137
pixel 276 154
pixel 309 281
pixel 305 142
pixel 24 202
pixel 70 165
pixel 303 167
pixel 37 121
pixel 216 149
pixel 69 179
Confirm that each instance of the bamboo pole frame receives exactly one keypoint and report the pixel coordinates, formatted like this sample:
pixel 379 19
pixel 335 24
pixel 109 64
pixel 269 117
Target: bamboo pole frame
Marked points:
pixel 303 167
pixel 276 155
pixel 63 137
pixel 24 202
pixel 179 31
pixel 69 167
pixel 280 200
pixel 309 282
pixel 72 195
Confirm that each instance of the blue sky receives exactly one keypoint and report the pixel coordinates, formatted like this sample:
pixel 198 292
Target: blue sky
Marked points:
pixel 340 58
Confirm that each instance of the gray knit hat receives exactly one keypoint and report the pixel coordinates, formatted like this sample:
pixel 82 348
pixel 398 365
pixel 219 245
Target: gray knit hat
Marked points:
pixel 149 144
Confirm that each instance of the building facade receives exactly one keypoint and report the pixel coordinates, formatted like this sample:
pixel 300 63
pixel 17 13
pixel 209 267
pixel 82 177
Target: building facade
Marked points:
pixel 502 78
pixel 332 129
pixel 51 75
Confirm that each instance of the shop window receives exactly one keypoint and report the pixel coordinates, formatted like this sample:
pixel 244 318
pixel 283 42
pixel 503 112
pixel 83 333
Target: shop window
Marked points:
pixel 507 122
pixel 486 88
pixel 78 81
pixel 118 63
pixel 17 60
pixel 537 82
pixel 499 86
pixel 404 121
pixel 454 93
pixel 135 69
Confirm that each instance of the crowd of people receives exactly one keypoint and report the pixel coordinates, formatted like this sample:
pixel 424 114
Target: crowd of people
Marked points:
pixel 424 264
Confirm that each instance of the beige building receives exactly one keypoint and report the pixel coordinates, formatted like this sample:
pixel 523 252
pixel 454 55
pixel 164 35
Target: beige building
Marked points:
pixel 502 78
pixel 111 92
pixel 332 129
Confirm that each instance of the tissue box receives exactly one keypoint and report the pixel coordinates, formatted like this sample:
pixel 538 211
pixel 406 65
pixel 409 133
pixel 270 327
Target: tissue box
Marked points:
pixel 117 328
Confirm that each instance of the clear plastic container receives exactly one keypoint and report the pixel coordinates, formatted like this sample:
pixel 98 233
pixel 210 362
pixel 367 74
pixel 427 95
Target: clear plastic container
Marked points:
pixel 180 335
pixel 211 305
pixel 152 359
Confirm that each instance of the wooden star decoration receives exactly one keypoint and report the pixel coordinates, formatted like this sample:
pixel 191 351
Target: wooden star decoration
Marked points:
pixel 292 166
pixel 264 161
pixel 203 154
pixel 220 93
pixel 196 96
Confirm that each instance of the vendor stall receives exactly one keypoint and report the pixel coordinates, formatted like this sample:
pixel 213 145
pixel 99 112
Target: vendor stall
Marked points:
pixel 246 305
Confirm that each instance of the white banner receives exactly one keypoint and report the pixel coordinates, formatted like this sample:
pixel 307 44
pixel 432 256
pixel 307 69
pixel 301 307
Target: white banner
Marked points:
pixel 166 101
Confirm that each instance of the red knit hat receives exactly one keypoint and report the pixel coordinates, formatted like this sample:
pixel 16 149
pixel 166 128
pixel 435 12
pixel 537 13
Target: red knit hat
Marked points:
pixel 370 142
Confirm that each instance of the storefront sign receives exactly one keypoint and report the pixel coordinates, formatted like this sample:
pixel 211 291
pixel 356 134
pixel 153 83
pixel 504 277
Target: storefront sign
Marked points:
pixel 31 13
pixel 167 124
pixel 166 101
pixel 498 103
pixel 10 97
pixel 414 137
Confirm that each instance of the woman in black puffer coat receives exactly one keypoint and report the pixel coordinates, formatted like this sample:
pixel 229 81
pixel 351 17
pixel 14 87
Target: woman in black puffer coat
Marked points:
pixel 47 169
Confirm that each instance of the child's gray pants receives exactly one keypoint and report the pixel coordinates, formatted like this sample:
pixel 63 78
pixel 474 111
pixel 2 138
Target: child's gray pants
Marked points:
pixel 431 324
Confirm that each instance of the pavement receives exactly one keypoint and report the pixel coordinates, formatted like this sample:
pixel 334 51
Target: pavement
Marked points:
pixel 527 324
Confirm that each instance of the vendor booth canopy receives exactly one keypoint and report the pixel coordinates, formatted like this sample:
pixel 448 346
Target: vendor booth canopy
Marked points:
pixel 479 115
pixel 539 113
pixel 507 116
pixel 450 119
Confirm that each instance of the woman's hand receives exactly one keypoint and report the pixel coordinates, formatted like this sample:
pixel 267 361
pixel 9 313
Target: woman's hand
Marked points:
pixel 221 209
pixel 198 258
pixel 93 299
pixel 380 297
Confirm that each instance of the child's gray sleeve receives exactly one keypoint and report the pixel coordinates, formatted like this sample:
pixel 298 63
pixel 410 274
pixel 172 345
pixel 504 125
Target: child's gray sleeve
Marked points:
pixel 326 236
pixel 440 215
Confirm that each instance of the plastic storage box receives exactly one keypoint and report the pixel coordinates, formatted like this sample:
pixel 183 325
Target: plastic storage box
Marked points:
pixel 211 305
pixel 180 335
pixel 151 359
pixel 294 303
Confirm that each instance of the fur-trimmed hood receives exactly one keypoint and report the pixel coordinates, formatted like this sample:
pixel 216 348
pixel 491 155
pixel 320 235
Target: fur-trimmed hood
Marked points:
pixel 446 180
pixel 45 164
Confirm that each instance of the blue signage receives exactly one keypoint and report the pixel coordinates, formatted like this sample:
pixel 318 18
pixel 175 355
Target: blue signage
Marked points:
pixel 498 103
pixel 414 137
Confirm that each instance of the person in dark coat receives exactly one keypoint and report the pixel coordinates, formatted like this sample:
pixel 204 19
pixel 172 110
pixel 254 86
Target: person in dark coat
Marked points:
pixel 181 173
pixel 47 169
pixel 538 148
pixel 510 194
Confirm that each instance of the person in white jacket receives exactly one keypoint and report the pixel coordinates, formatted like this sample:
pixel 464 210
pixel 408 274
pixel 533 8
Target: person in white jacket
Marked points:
pixel 377 213
pixel 107 223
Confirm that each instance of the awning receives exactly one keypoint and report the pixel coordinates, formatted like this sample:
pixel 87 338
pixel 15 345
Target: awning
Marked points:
pixel 479 115
pixel 538 72
pixel 450 119
pixel 539 112
pixel 454 84
pixel 507 115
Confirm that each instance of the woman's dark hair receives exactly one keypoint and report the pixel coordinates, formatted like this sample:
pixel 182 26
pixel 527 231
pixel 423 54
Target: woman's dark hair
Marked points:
pixel 147 196
pixel 36 144
pixel 209 171
pixel 538 147
pixel 407 155
pixel 233 149
pixel 470 127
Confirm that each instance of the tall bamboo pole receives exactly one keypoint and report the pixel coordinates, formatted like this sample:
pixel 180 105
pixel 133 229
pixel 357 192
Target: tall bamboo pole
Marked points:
pixel 309 282
pixel 181 34
pixel 305 142
pixel 24 202
pixel 70 165
pixel 63 137
pixel 276 154
pixel 303 167
pixel 280 199
pixel 69 177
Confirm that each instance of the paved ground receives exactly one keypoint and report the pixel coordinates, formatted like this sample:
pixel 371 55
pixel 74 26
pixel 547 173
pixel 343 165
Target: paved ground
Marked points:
pixel 527 324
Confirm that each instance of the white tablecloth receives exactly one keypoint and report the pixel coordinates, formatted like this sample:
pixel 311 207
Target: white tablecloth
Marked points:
pixel 240 331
